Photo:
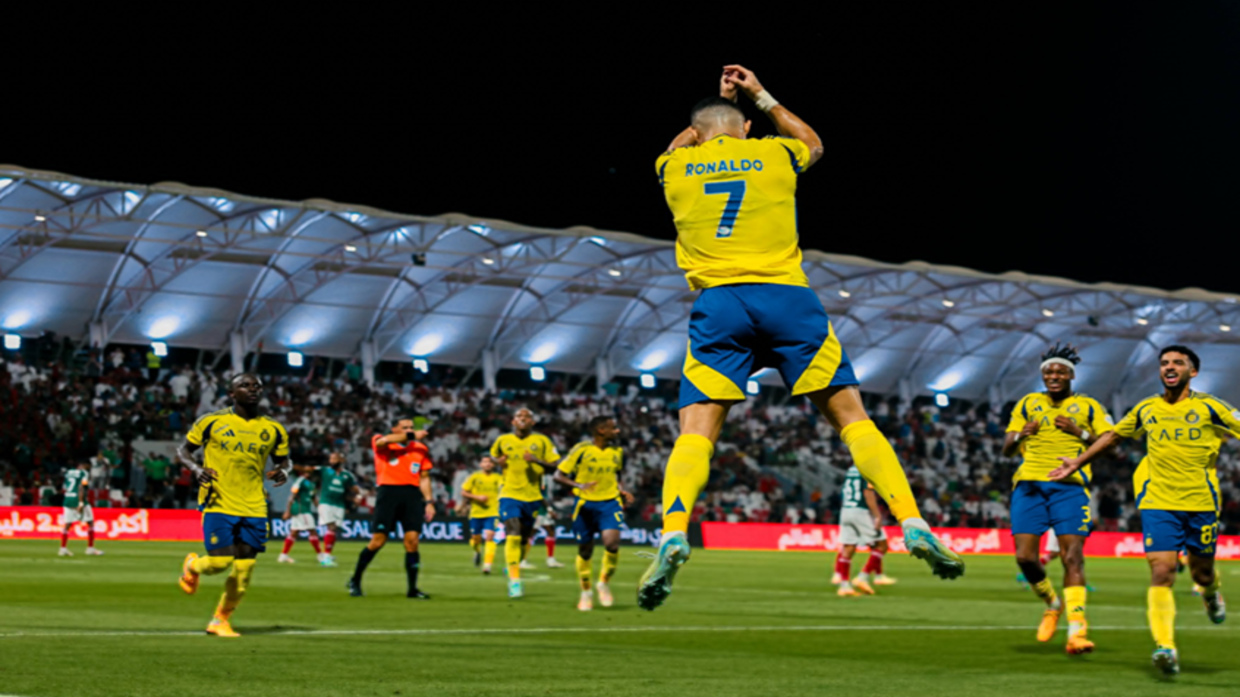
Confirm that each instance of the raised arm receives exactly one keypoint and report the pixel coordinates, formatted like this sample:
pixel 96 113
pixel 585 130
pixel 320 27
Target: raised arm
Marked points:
pixel 1072 464
pixel 786 122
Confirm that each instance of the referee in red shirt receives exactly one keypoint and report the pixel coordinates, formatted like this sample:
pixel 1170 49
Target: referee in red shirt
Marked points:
pixel 404 497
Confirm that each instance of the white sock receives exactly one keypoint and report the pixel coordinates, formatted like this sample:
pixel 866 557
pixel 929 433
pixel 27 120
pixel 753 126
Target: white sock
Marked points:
pixel 864 577
pixel 919 523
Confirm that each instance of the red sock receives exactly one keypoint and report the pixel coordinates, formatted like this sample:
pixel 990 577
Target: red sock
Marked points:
pixel 550 546
pixel 64 539
pixel 314 542
pixel 90 535
pixel 843 567
pixel 288 544
pixel 1044 560
pixel 874 565
pixel 329 541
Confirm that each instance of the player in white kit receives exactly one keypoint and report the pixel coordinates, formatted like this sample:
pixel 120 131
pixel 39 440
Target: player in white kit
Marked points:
pixel 860 526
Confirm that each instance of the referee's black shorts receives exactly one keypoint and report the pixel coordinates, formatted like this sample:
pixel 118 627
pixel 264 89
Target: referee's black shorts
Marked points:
pixel 398 503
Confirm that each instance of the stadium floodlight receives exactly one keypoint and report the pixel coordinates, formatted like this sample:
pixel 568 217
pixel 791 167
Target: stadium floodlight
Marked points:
pixel 648 381
pixel 40 218
pixel 1048 313
pixel 942 400
pixel 752 387
pixel 13 342
pixel 295 359
pixel 17 320
pixel 538 373
pixel 421 365
pixel 480 229
pixel 201 233
pixel 614 272
pixel 1142 321
pixel 948 303
pixel 488 261
pixel 845 294
pixel 159 348
pixel 1224 327
pixel 350 248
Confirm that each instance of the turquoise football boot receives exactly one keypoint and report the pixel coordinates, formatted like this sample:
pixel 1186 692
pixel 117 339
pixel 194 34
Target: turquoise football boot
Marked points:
pixel 656 583
pixel 1166 660
pixel 922 543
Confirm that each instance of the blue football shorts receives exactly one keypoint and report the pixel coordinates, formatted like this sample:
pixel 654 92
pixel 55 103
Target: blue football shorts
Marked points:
pixel 734 331
pixel 1171 531
pixel 592 517
pixel 222 530
pixel 1041 506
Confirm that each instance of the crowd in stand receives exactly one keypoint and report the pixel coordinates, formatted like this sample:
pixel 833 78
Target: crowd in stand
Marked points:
pixel 775 461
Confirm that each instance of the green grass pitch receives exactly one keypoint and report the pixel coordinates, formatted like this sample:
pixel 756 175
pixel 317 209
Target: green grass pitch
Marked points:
pixel 739 623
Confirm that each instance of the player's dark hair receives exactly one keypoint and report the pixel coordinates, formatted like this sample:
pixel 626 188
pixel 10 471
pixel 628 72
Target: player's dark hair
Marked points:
pixel 598 421
pixel 1192 356
pixel 233 382
pixel 1066 352
pixel 714 103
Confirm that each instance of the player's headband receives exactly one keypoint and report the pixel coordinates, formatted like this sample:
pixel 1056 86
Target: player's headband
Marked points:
pixel 1058 361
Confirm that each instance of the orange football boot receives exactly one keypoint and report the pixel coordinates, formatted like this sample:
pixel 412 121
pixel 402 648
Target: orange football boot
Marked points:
pixel 1050 622
pixel 189 578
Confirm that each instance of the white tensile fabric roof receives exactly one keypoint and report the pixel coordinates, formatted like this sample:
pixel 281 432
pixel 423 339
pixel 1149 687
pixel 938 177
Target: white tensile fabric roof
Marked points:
pixel 192 266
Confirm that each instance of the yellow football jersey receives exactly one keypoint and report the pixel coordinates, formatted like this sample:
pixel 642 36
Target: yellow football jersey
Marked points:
pixel 521 477
pixel 734 204
pixel 488 485
pixel 1042 450
pixel 237 449
pixel 587 462
pixel 1182 441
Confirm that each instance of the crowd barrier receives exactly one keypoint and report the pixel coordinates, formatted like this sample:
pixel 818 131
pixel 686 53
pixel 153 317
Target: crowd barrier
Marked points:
pixel 826 538
pixel 180 525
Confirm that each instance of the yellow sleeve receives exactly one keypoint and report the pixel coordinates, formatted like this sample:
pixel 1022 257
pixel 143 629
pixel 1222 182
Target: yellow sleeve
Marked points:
pixel 1224 415
pixel 470 483
pixel 495 449
pixel 1102 421
pixel 797 150
pixel 281 441
pixel 1130 426
pixel 1019 419
pixel 661 164
pixel 569 463
pixel 201 429
pixel 549 451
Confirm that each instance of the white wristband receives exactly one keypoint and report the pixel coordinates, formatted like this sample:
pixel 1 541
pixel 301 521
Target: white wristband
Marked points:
pixel 765 101
pixel 1084 435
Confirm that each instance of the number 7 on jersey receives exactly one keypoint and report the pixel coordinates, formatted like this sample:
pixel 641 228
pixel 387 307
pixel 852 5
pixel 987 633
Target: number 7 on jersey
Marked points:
pixel 736 196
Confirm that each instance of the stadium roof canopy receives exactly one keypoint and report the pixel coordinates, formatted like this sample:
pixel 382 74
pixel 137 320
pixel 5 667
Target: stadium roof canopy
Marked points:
pixel 209 269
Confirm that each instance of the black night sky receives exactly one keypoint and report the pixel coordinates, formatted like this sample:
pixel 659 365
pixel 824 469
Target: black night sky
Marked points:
pixel 1095 144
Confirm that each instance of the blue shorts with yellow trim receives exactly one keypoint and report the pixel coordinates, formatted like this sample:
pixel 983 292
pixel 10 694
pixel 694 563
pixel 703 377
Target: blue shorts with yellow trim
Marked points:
pixel 525 510
pixel 477 526
pixel 222 530
pixel 591 517
pixel 734 331
pixel 1171 531
pixel 1041 506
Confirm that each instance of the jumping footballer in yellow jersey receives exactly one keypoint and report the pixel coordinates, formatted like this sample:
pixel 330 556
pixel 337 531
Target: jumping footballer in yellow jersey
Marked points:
pixel 482 489
pixel 592 469
pixel 1046 426
pixel 1179 496
pixel 525 456
pixel 734 204
pixel 236 444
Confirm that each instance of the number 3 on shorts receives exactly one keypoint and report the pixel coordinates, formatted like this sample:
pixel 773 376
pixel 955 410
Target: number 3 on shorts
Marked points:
pixel 735 190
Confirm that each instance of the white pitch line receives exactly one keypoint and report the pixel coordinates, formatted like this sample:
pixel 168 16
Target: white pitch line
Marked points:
pixel 591 630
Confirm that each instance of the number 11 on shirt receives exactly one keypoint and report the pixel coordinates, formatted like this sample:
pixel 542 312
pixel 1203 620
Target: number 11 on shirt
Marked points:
pixel 736 196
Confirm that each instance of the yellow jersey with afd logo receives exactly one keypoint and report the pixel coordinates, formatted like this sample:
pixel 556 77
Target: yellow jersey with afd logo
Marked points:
pixel 1182 441
pixel 587 462
pixel 734 204
pixel 1042 450
pixel 237 449
pixel 521 478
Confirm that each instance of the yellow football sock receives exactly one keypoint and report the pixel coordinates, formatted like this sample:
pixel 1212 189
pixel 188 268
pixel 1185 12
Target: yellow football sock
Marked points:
pixel 1075 597
pixel 583 572
pixel 1162 616
pixel 1046 591
pixel 512 556
pixel 610 561
pixel 879 465
pixel 475 542
pixel 688 468
pixel 235 587
pixel 488 552
pixel 210 566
